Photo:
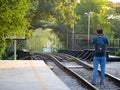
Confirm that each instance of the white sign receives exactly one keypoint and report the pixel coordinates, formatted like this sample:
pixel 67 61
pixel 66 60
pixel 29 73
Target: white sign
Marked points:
pixel 46 50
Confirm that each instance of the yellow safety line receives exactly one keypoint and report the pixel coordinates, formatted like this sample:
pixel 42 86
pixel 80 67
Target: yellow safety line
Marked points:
pixel 38 77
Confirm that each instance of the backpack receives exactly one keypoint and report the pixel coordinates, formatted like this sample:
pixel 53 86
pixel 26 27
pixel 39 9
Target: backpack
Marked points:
pixel 100 46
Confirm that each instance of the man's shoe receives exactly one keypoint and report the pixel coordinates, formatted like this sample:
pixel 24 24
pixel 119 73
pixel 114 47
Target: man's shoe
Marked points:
pixel 102 85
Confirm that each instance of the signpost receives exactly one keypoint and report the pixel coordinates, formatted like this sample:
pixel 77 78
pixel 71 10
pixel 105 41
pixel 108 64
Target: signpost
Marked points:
pixel 15 43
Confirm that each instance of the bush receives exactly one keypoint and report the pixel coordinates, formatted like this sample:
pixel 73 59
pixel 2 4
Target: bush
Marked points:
pixel 118 53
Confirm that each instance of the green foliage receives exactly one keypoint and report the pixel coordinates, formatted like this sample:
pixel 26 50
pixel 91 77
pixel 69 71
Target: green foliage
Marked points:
pixel 60 15
pixel 118 53
pixel 9 50
pixel 66 15
pixel 72 59
pixel 97 18
pixel 61 31
pixel 2 45
pixel 11 58
pixel 60 11
pixel 64 12
pixel 115 28
pixel 40 38
pixel 56 14
pixel 91 6
pixel 12 15
pixel 12 19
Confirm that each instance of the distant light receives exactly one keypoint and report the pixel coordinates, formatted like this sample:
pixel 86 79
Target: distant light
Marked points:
pixel 89 13
pixel 86 13
pixel 114 17
pixel 115 1
pixel 78 1
pixel 111 16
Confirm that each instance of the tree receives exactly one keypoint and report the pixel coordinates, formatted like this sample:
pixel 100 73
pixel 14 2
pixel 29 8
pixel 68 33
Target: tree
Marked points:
pixel 40 40
pixel 12 19
pixel 114 19
pixel 97 17
pixel 59 11
pixel 56 14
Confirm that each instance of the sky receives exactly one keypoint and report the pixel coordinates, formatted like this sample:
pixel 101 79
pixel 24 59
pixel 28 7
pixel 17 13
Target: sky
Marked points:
pixel 114 0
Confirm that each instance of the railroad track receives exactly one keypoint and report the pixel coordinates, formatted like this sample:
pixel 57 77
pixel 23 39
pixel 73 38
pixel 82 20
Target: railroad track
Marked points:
pixel 82 71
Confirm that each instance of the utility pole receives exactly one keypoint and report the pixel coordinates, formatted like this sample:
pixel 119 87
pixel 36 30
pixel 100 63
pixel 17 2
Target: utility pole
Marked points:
pixel 88 28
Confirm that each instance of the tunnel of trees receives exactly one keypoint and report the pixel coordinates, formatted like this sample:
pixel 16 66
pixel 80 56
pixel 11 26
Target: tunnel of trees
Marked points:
pixel 52 20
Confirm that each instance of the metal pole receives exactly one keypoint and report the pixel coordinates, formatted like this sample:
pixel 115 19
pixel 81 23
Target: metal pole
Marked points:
pixel 67 41
pixel 88 30
pixel 88 14
pixel 14 49
pixel 73 39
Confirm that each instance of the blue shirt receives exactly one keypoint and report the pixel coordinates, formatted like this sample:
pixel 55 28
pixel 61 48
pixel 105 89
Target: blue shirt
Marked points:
pixel 104 39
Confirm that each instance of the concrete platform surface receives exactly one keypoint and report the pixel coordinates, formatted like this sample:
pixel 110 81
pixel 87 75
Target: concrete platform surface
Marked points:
pixel 28 75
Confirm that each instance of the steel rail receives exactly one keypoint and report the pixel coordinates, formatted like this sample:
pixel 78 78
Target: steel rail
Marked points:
pixel 89 85
pixel 113 78
pixel 80 62
pixel 24 58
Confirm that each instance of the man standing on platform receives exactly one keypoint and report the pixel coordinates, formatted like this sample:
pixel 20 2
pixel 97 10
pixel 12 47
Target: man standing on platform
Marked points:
pixel 99 42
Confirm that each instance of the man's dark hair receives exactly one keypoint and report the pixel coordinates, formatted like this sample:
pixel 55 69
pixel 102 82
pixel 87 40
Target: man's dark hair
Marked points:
pixel 99 31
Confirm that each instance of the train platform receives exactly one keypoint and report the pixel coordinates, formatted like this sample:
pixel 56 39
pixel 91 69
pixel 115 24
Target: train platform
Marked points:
pixel 28 75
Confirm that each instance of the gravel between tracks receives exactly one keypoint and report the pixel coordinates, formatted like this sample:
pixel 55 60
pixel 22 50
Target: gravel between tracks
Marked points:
pixel 73 84
pixel 68 80
pixel 113 68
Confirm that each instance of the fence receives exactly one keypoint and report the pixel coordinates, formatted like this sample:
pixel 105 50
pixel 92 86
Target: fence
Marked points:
pixel 81 42
pixel 114 46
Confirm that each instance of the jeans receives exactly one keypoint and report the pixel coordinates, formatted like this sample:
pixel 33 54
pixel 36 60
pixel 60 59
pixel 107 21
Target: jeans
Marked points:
pixel 96 62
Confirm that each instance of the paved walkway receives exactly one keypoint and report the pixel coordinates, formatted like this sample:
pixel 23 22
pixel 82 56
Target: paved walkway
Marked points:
pixel 28 75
